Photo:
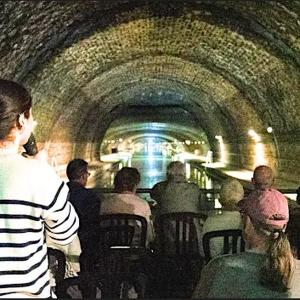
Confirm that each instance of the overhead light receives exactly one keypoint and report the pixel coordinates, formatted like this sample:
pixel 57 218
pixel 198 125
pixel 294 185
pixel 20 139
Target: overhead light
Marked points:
pixel 254 135
pixel 269 129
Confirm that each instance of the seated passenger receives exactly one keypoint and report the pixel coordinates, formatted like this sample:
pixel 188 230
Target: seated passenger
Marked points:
pixel 263 178
pixel 85 201
pixel 229 218
pixel 126 201
pixel 267 269
pixel 176 194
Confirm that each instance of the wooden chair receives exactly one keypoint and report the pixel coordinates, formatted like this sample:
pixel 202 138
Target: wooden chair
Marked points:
pixel 115 260
pixel 179 242
pixel 233 242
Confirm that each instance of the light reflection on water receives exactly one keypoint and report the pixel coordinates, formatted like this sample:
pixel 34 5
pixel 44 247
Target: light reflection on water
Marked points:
pixel 153 169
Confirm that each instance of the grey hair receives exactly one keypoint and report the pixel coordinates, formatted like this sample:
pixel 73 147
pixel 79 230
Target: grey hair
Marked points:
pixel 231 192
pixel 176 170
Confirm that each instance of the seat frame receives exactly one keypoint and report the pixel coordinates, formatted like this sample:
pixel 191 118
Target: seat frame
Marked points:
pixel 230 238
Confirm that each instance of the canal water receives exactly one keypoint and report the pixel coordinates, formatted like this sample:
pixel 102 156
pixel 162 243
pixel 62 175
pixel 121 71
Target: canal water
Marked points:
pixel 153 169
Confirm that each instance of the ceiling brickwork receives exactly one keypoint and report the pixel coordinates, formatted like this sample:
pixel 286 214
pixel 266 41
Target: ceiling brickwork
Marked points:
pixel 234 64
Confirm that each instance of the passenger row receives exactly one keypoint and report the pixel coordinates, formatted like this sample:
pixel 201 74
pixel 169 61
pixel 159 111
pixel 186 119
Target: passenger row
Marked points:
pixel 264 214
pixel 36 214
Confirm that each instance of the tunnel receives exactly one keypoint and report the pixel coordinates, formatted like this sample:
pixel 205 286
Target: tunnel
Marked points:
pixel 219 76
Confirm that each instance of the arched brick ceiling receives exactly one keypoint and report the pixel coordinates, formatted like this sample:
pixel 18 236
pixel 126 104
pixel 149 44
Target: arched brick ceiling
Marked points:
pixel 236 63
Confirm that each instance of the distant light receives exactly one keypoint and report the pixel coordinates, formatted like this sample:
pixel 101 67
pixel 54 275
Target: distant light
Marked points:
pixel 120 140
pixel 254 135
pixel 269 129
pixel 251 132
pixel 188 142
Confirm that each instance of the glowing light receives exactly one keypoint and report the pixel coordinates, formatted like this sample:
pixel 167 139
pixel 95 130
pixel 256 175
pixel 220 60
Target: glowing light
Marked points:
pixel 188 142
pixel 120 140
pixel 254 135
pixel 222 149
pixel 187 170
pixel 260 158
pixel 269 129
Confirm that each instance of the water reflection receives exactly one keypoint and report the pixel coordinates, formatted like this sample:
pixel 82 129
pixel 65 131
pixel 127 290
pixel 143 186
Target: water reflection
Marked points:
pixel 153 169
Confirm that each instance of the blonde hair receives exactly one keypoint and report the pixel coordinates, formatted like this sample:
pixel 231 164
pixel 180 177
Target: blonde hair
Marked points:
pixel 231 192
pixel 279 264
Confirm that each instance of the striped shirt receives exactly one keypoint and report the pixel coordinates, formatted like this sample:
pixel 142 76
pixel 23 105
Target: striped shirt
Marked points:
pixel 33 209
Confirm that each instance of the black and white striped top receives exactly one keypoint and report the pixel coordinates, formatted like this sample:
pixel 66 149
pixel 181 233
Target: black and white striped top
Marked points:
pixel 33 209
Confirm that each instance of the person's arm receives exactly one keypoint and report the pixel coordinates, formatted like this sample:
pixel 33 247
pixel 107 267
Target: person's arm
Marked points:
pixel 207 279
pixel 150 227
pixel 92 209
pixel 157 190
pixel 61 220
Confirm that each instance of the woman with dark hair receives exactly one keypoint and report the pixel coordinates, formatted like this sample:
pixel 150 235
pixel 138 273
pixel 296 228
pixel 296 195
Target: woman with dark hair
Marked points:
pixel 33 203
pixel 267 268
pixel 126 201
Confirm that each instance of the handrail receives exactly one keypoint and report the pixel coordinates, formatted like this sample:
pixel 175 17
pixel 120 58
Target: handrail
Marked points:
pixel 207 191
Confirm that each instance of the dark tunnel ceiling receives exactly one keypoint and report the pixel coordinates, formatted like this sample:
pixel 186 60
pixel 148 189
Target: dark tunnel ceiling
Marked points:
pixel 233 64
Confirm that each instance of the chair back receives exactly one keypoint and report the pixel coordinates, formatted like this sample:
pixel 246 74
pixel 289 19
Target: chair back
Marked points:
pixel 180 231
pixel 112 260
pixel 122 230
pixel 233 241
pixel 57 263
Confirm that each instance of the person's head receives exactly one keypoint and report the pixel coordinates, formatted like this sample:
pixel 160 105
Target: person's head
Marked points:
pixel 231 193
pixel 265 217
pixel 16 122
pixel 77 171
pixel 263 177
pixel 176 171
pixel 127 180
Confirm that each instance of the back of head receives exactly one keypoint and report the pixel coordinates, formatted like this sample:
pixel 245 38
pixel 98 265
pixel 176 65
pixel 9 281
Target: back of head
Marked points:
pixel 263 177
pixel 14 101
pixel 76 168
pixel 176 171
pixel 231 193
pixel 269 214
pixel 126 179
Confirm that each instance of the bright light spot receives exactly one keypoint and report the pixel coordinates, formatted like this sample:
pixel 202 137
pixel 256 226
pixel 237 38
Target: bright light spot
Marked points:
pixel 120 140
pixel 188 142
pixel 254 135
pixel 260 154
pixel 153 172
pixel 269 129
pixel 251 132
pixel 217 204
pixel 187 170
pixel 222 149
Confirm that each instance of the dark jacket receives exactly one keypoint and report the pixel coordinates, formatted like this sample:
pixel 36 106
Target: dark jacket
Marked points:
pixel 87 205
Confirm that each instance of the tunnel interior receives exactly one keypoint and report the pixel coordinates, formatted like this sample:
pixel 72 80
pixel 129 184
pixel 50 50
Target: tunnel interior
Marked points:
pixel 222 75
